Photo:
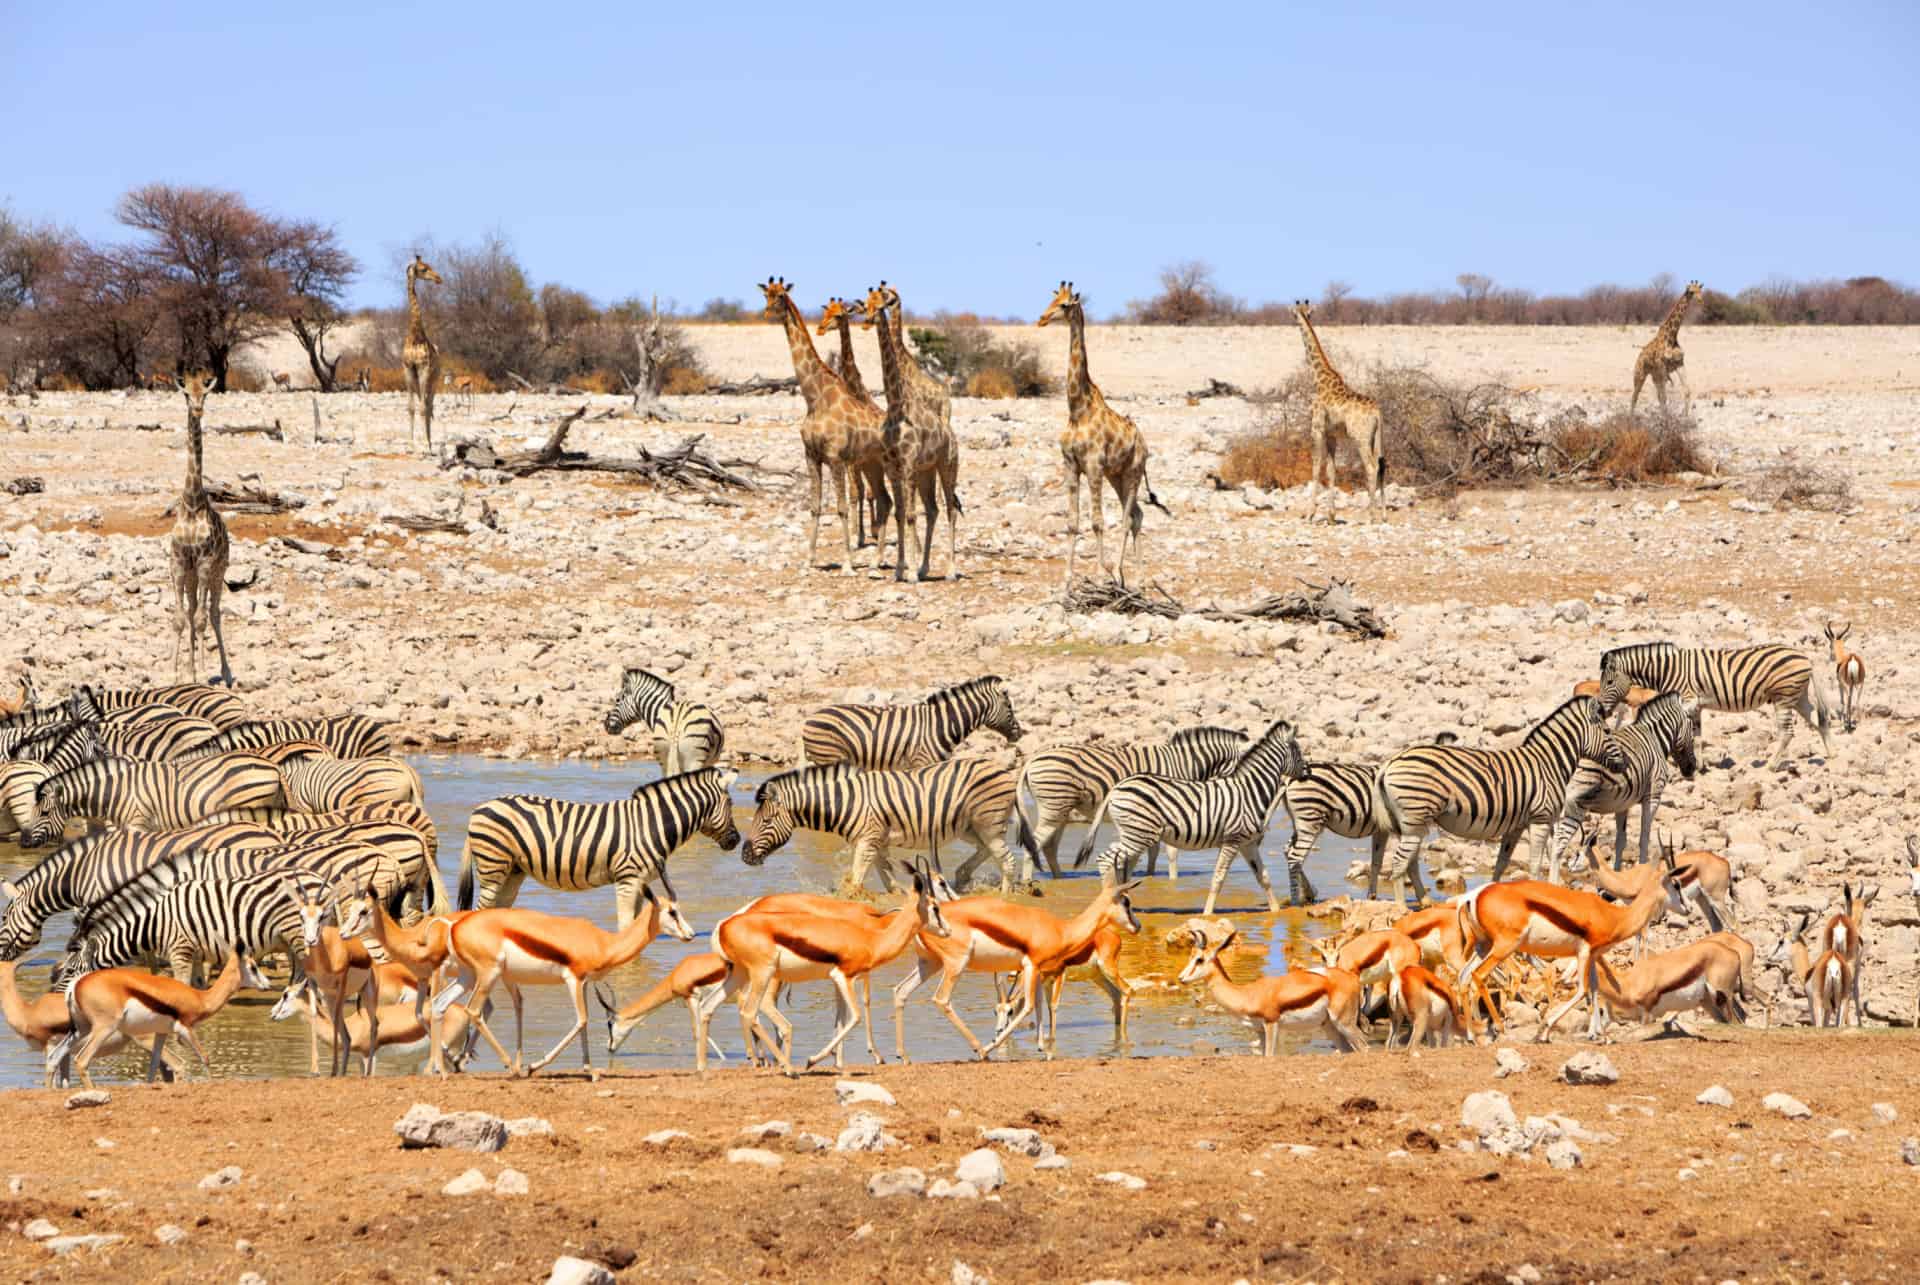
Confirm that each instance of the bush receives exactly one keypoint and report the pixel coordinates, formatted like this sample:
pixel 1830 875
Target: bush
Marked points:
pixel 682 381
pixel 1793 484
pixel 993 383
pixel 1188 297
pixel 957 348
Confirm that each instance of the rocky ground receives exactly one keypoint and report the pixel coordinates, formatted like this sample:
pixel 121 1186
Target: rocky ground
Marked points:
pixel 1775 1156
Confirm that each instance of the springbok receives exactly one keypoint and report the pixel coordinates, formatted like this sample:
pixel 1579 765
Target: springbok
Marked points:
pixel 1418 996
pixel 1704 876
pixel 1322 997
pixel 44 1024
pixel 283 381
pixel 692 980
pixel 1701 976
pixel 1103 953
pixel 1841 935
pixel 518 948
pixel 395 1027
pixel 1374 957
pixel 137 1005
pixel 1850 669
pixel 419 950
pixel 335 964
pixel 1825 979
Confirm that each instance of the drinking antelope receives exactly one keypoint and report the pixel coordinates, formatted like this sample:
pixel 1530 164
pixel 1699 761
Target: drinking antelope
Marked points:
pixel 138 1005
pixel 1322 997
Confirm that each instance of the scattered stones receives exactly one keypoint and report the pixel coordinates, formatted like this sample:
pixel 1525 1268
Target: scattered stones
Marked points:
pixel 944 1190
pixel 896 1182
pixel 88 1098
pixel 568 1270
pixel 982 1168
pixel 39 1229
pixel 243 1247
pixel 1487 1111
pixel 965 1275
pixel 661 1137
pixel 428 1126
pixel 854 1092
pixel 1589 1068
pixel 865 1132
pixel 1052 1162
pixel 1526 1274
pixel 753 1156
pixel 1507 1061
pixel 169 1234
pixel 69 1244
pixel 1019 1142
pixel 1884 1113
pixel 1791 1107
pixel 1715 1095
pixel 767 1129
pixel 1910 1150
pixel 220 1178
pixel 251 1278
pixel 811 1142
pixel 1688 1175
pixel 1564 1153
pixel 470 1183
pixel 510 1182
pixel 1119 1179
pixel 529 1126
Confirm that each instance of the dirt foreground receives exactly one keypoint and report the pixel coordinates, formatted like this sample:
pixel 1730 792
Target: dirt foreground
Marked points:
pixel 1300 1168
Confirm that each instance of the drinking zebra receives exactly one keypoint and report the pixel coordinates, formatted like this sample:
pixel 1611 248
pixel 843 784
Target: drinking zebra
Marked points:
pixel 1485 794
pixel 575 846
pixel 972 797
pixel 19 782
pixel 908 736
pixel 1071 781
pixel 1732 679
pixel 1631 767
pixel 157 740
pixel 347 736
pixel 59 747
pixel 334 784
pixel 152 796
pixel 686 734
pixel 217 705
pixel 190 920
pixel 1229 812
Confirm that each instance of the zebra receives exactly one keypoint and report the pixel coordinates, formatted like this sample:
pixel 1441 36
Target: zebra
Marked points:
pixel 1229 812
pixel 574 846
pixel 972 797
pixel 220 707
pixel 158 741
pixel 1338 797
pixel 61 746
pixel 348 736
pixel 1732 679
pixel 191 920
pixel 89 868
pixel 1485 794
pixel 908 736
pixel 1630 768
pixel 411 815
pixel 332 784
pixel 686 734
pixel 1072 780
pixel 279 754
pixel 19 782
pixel 151 796
pixel 77 708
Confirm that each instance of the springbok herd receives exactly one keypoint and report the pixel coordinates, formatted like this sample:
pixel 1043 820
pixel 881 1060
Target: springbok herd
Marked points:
pixel 213 838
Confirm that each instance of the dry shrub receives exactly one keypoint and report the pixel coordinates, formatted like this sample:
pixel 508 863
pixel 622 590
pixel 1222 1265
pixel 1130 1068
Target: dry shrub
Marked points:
pixel 1627 448
pixel 245 379
pixel 599 381
pixel 1795 484
pixel 994 383
pixel 958 347
pixel 680 381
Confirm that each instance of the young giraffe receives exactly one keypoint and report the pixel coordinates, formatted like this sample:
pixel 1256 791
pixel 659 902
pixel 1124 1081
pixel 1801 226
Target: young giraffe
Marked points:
pixel 1099 444
pixel 868 481
pixel 839 430
pixel 926 404
pixel 419 355
pixel 1335 405
pixel 197 550
pixel 1662 356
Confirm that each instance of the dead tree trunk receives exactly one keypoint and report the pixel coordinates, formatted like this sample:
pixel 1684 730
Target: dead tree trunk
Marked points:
pixel 648 343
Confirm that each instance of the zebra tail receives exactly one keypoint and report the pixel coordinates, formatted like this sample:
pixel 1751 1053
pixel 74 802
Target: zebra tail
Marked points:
pixel 1386 814
pixel 1024 833
pixel 1085 853
pixel 464 897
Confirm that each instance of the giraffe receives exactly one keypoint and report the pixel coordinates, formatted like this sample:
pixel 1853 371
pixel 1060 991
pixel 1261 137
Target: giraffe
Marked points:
pixel 1662 356
pixel 924 402
pixel 1337 406
pixel 838 430
pixel 198 551
pixel 1100 444
pixel 419 355
pixel 838 312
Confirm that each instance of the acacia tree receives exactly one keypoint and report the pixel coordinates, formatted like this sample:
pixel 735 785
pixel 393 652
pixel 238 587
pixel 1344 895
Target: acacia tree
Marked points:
pixel 318 271
pixel 98 317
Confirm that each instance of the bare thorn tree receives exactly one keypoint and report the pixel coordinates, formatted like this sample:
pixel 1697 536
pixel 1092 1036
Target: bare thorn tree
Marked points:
pixel 318 271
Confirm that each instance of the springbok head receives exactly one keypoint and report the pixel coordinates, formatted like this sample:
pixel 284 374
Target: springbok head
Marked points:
pixel 1208 938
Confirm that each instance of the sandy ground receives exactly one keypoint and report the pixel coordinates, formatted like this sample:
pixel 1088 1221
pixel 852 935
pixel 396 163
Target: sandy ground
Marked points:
pixel 1304 1168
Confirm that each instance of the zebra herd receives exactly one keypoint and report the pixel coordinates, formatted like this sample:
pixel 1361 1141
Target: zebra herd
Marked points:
pixel 210 827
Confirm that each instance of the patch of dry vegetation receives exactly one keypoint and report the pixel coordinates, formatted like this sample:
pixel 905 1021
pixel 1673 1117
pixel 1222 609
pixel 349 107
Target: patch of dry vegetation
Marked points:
pixel 1799 485
pixel 962 351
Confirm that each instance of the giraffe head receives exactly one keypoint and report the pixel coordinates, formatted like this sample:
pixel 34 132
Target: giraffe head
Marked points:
pixel 1065 300
pixel 421 270
pixel 1693 291
pixel 777 290
pixel 836 309
pixel 1303 311
pixel 879 299
pixel 196 386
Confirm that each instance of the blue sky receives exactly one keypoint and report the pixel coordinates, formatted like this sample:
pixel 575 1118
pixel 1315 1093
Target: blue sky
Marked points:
pixel 977 153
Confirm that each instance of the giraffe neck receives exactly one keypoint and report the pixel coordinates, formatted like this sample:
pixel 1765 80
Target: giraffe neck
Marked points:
pixel 416 316
pixel 812 372
pixel 1079 381
pixel 1670 328
pixel 849 370
pixel 892 377
pixel 1316 355
pixel 195 491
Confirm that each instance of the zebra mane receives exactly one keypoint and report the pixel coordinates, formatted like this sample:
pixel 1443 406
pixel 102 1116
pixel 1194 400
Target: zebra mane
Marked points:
pixel 1634 651
pixel 803 776
pixel 1265 738
pixel 965 689
pixel 630 673
pixel 1191 735
pixel 128 895
pixel 1540 729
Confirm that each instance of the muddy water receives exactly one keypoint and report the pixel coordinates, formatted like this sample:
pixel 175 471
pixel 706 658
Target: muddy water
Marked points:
pixel 1164 1020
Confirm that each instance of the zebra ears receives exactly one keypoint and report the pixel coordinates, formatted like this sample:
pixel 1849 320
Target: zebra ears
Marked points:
pixel 728 776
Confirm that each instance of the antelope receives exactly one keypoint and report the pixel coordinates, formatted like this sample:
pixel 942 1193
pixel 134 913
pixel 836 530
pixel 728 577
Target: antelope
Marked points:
pixel 23 700
pixel 1418 996
pixel 1322 997
pixel 461 388
pixel 1547 921
pixel 988 935
pixel 283 381
pixel 1851 671
pixel 518 948
pixel 134 1005
pixel 334 964
pixel 419 951
pixel 1703 975
pixel 44 1024
pixel 1103 953
pixel 1841 935
pixel 1374 957
pixel 693 979
pixel 1635 698
pixel 1696 872
pixel 393 1026
pixel 1826 980
pixel 772 949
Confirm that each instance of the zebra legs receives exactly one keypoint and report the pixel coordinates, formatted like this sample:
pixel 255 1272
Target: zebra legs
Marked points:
pixel 1250 849
pixel 867 852
pixel 1406 863
pixel 1305 834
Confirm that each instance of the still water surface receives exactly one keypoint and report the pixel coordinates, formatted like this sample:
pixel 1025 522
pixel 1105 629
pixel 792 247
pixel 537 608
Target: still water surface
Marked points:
pixel 1163 1021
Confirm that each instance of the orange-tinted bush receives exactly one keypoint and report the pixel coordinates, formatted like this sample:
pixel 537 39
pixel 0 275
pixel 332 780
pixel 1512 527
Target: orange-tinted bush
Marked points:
pixel 681 381
pixel 994 382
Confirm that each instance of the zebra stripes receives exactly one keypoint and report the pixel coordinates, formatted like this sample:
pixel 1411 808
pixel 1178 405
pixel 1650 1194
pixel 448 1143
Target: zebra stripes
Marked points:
pixel 574 846
pixel 1229 812
pixel 908 736
pixel 1071 780
pixel 1725 678
pixel 347 736
pixel 1630 768
pixel 925 806
pixel 152 796
pixel 333 785
pixel 191 919
pixel 220 707
pixel 1336 797
pixel 686 734
pixel 19 782
pixel 1485 794
pixel 158 740
pixel 60 746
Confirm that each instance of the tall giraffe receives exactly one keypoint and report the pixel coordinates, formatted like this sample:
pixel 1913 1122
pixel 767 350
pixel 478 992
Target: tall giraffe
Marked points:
pixel 419 355
pixel 839 312
pixel 1100 444
pixel 838 431
pixel 925 402
pixel 1337 406
pixel 1662 356
pixel 197 550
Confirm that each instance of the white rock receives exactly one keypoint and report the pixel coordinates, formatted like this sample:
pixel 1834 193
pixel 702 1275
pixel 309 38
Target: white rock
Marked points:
pixel 1507 1061
pixel 853 1092
pixel 753 1156
pixel 865 1132
pixel 1910 1150
pixel 69 1244
pixel 1019 1142
pixel 1119 1179
pixel 1687 1175
pixel 470 1183
pixel 221 1178
pixel 425 1125
pixel 88 1098
pixel 965 1275
pixel 39 1229
pixel 510 1182
pixel 251 1278
pixel 1527 1274
pixel 768 1129
pixel 529 1126
pixel 1052 1162
pixel 1564 1153
pixel 982 1168
pixel 1885 1113
pixel 941 1189
pixel 810 1142
pixel 1791 1107
pixel 896 1182
pixel 169 1234
pixel 568 1270
pixel 661 1137
pixel 1715 1095
pixel 1487 1111
pixel 1589 1068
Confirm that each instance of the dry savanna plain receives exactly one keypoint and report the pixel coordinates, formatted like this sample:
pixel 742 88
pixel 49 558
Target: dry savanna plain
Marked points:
pixel 506 635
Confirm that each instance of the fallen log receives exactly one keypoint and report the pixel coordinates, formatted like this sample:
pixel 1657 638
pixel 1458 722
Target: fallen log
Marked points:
pixel 685 465
pixel 1332 601
pixel 273 430
pixel 1215 388
pixel 245 499
pixel 425 522
pixel 758 386
pixel 26 486
pixel 314 547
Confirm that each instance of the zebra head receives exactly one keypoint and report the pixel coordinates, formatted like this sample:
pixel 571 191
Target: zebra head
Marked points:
pixel 772 823
pixel 717 821
pixel 1614 681
pixel 50 819
pixel 1208 937
pixel 19 927
pixel 999 715
pixel 1684 754
pixel 641 697
pixel 83 707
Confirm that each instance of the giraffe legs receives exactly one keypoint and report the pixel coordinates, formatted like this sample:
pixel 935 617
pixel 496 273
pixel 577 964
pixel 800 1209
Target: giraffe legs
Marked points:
pixel 212 582
pixel 1639 380
pixel 1320 462
pixel 902 502
pixel 814 469
pixel 414 376
pixel 1373 461
pixel 186 588
pixel 846 524
pixel 949 480
pixel 1127 491
pixel 1073 520
pixel 926 484
pixel 1686 390
pixel 426 401
pixel 1097 493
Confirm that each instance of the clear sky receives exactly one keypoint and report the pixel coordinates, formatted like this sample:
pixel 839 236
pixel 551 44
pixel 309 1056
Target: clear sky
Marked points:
pixel 976 153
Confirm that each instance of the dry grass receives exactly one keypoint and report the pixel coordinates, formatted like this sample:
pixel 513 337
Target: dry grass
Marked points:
pixel 1798 485
pixel 680 381
pixel 994 383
